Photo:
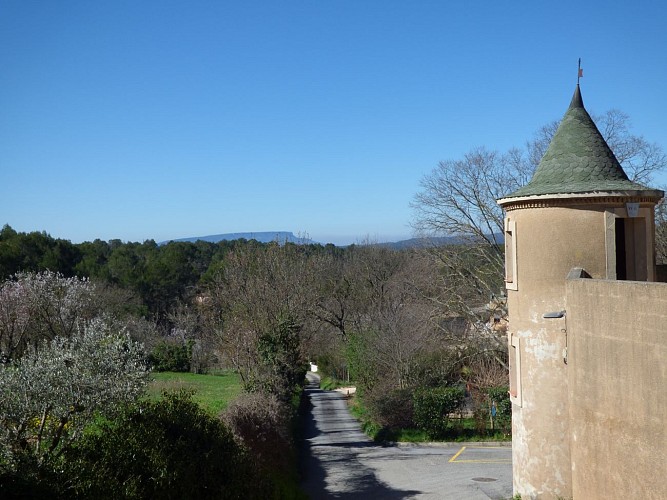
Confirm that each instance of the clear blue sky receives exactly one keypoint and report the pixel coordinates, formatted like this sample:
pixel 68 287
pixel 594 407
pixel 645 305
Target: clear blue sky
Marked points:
pixel 165 119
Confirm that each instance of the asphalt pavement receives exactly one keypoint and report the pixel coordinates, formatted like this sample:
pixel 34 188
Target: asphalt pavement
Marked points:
pixel 340 461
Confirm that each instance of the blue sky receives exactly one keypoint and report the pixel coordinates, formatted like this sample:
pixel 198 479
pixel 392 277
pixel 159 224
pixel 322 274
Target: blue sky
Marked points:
pixel 165 119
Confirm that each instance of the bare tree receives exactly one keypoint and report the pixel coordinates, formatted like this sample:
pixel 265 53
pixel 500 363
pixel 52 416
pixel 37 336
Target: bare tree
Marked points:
pixel 336 301
pixel 395 330
pixel 256 309
pixel 484 372
pixel 640 159
pixel 458 200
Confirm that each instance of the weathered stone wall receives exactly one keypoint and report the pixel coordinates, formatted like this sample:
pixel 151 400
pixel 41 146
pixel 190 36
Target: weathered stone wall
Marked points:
pixel 541 455
pixel 617 371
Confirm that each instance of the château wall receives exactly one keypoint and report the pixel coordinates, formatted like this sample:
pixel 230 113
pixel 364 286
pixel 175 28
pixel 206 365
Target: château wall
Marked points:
pixel 617 371
pixel 538 387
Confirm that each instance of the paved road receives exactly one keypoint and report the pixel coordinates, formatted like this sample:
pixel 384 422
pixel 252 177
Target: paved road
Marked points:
pixel 341 462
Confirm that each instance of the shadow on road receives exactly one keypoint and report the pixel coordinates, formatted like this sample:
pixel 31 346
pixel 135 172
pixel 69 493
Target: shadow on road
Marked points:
pixel 332 441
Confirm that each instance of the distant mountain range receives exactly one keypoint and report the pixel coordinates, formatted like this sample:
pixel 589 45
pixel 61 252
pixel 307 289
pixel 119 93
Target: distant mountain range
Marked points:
pixel 422 242
pixel 289 237
pixel 262 237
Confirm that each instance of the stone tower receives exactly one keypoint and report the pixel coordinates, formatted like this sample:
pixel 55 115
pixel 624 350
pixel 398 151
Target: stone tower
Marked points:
pixel 579 211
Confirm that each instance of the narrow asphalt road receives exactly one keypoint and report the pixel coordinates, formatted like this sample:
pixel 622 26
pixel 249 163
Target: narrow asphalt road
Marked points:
pixel 340 461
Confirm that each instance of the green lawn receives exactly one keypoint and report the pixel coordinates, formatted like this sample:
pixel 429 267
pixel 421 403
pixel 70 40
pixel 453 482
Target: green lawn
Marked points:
pixel 212 392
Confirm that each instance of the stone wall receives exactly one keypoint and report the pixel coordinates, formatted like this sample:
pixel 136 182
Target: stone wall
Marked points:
pixel 617 371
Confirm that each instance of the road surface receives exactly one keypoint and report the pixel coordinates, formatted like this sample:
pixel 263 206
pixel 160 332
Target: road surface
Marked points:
pixel 340 461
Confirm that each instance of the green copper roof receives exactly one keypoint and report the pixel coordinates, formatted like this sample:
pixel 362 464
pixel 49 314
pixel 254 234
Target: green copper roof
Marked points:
pixel 578 160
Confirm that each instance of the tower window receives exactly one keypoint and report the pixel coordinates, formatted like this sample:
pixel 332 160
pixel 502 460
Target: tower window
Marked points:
pixel 515 370
pixel 510 255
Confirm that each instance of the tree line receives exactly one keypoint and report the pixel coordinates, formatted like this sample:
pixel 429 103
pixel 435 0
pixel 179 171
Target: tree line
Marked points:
pixel 381 317
pixel 158 275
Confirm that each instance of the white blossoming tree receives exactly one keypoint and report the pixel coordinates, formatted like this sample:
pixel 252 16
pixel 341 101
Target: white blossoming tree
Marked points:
pixel 39 306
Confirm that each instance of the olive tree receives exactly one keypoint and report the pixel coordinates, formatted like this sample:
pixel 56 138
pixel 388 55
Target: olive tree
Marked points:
pixel 50 395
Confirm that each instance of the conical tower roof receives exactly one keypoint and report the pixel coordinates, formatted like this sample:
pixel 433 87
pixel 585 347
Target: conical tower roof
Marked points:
pixel 578 161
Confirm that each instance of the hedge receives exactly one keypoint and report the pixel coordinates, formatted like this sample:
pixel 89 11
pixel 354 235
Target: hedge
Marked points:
pixel 432 407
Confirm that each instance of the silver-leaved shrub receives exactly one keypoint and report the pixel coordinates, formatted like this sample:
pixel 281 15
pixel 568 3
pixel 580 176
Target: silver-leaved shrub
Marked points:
pixel 50 394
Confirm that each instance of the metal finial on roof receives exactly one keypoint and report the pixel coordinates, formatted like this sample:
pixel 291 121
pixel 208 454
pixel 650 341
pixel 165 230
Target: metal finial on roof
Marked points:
pixel 580 73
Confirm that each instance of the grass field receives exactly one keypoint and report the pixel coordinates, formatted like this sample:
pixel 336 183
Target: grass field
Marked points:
pixel 212 392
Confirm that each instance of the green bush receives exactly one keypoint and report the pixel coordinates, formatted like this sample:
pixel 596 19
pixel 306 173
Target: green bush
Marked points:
pixel 332 366
pixel 280 369
pixel 171 356
pixel 169 448
pixel 359 357
pixel 432 407
pixel 503 418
